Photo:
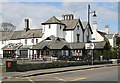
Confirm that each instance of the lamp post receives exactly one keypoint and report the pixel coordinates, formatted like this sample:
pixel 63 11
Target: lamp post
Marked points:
pixel 94 15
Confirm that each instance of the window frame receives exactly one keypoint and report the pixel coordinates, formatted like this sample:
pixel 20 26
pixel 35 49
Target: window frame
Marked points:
pixel 78 37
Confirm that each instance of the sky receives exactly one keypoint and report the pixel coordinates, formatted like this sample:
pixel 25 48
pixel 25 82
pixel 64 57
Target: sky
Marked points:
pixel 14 11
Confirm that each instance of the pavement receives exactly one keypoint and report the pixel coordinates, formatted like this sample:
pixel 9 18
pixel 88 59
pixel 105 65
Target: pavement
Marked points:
pixel 6 75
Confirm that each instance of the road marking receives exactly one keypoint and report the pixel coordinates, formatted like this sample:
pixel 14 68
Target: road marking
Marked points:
pixel 82 78
pixel 30 80
pixel 59 79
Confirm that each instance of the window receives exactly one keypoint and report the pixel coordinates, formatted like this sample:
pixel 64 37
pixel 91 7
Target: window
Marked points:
pixel 49 26
pixel 25 41
pixel 77 27
pixel 2 42
pixel 78 36
pixel 32 40
pixel 36 40
pixel 60 27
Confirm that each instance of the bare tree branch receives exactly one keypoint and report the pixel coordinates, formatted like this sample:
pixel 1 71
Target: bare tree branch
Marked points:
pixel 7 27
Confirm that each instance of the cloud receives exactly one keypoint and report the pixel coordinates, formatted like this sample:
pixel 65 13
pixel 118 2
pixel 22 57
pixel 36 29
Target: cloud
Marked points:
pixel 15 12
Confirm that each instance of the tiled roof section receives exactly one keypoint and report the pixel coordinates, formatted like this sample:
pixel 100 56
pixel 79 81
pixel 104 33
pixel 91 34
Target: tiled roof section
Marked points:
pixel 36 33
pixel 17 34
pixel 12 46
pixel 99 45
pixel 52 42
pixel 26 47
pixel 77 45
pixel 70 24
pixel 55 44
pixel 52 20
pixel 5 35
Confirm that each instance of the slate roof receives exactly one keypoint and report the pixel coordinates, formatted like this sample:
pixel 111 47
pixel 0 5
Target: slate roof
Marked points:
pixel 12 46
pixel 99 45
pixel 56 44
pixel 36 33
pixel 52 20
pixel 26 47
pixel 70 24
pixel 22 34
pixel 5 35
pixel 17 34
pixel 52 43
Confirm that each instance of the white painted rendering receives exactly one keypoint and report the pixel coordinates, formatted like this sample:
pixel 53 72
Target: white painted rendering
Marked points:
pixel 76 31
pixel 95 34
pixel 69 36
pixel 49 31
pixel 86 34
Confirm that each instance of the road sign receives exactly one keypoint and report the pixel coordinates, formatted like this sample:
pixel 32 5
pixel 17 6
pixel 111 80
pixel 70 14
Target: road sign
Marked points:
pixel 89 46
pixel 92 39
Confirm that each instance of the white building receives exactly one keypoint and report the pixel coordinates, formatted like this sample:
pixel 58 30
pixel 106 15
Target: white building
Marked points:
pixel 98 35
pixel 70 29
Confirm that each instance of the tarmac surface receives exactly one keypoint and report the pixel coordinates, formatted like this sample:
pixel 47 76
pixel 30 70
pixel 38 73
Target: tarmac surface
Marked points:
pixel 6 75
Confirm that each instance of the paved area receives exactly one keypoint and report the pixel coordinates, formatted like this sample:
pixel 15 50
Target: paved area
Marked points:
pixel 92 75
pixel 6 75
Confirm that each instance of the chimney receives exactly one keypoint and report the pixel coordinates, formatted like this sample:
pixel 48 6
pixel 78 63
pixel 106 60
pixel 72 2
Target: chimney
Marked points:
pixel 94 25
pixel 67 17
pixel 26 25
pixel 107 29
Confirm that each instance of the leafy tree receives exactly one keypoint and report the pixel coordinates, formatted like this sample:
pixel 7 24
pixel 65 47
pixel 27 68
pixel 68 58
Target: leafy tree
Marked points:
pixel 118 40
pixel 7 27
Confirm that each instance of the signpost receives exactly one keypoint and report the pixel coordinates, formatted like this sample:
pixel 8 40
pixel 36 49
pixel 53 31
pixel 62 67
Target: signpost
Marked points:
pixel 90 46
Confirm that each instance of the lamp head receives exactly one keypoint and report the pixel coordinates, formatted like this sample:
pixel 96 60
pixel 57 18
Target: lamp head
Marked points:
pixel 94 15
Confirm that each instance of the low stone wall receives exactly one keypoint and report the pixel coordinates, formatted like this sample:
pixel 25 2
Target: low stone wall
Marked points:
pixel 36 66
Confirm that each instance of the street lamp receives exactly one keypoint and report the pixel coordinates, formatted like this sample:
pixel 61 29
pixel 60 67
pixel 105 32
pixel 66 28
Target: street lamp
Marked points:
pixel 90 12
pixel 94 15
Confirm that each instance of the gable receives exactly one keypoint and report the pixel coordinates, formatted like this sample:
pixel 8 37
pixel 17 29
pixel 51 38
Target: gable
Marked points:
pixel 71 24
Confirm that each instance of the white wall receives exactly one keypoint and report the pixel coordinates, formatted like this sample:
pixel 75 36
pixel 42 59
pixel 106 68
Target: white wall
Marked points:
pixel 29 41
pixel 49 31
pixel 75 32
pixel 97 36
pixel 69 36
pixel 14 41
pixel 60 32
pixel 85 35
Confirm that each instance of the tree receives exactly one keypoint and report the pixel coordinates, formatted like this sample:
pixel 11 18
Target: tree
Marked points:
pixel 118 40
pixel 7 27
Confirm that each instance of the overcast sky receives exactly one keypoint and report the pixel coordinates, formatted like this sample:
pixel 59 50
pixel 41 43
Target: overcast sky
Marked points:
pixel 14 12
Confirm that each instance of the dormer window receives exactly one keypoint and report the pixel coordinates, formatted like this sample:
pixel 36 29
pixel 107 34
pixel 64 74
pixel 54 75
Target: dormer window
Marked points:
pixel 77 27
pixel 49 26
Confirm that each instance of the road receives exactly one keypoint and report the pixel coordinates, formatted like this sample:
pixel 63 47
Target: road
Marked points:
pixel 79 76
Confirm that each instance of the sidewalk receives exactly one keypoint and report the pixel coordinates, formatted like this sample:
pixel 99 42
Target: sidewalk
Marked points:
pixel 6 75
